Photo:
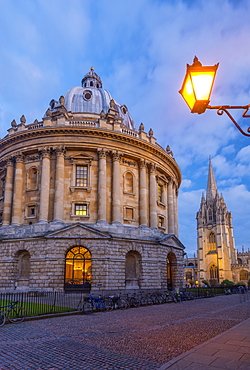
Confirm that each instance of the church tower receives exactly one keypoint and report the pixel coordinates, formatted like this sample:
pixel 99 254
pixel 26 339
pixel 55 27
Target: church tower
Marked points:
pixel 216 250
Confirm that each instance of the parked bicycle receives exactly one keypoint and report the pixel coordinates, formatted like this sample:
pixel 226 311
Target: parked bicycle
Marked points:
pixel 12 312
pixel 97 303
pixel 133 301
pixel 119 302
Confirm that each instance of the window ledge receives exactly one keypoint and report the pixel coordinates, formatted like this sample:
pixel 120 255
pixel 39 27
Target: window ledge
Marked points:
pixel 79 216
pixel 161 228
pixel 160 204
pixel 80 188
pixel 128 193
pixel 28 190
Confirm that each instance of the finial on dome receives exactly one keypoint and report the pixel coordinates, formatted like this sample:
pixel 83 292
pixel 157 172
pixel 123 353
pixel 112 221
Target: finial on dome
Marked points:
pixel 92 69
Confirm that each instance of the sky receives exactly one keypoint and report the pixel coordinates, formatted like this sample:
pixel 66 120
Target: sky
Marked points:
pixel 140 50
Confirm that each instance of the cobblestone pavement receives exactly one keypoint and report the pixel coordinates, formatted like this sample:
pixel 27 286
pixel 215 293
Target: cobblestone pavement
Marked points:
pixel 138 338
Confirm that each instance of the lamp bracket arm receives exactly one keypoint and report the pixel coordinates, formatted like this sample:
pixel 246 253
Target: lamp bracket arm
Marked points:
pixel 224 108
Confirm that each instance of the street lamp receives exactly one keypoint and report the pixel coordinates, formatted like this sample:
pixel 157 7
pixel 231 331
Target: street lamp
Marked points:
pixel 196 90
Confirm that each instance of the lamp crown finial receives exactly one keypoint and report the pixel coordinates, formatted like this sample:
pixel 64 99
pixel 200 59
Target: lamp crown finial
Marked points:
pixel 196 62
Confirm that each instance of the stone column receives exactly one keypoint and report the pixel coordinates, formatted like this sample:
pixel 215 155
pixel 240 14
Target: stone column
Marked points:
pixel 165 201
pixel 143 201
pixel 102 191
pixel 116 188
pixel 45 186
pixel 8 193
pixel 176 210
pixel 59 186
pixel 171 226
pixel 152 197
pixel 18 191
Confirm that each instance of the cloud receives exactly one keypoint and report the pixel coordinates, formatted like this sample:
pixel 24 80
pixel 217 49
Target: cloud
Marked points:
pixel 186 183
pixel 244 155
pixel 140 50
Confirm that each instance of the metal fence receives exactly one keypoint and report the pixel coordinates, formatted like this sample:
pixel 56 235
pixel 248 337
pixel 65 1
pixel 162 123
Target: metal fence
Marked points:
pixel 44 303
pixel 39 303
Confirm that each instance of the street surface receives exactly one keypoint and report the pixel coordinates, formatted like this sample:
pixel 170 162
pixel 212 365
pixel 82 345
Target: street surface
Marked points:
pixel 137 338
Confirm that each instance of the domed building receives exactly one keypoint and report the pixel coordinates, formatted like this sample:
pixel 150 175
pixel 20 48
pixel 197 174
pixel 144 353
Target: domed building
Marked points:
pixel 87 200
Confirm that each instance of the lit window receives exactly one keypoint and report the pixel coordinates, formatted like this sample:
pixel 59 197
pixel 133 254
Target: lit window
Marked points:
pixel 81 209
pixel 82 175
pixel 160 221
pixel 211 242
pixel 243 275
pixel 160 193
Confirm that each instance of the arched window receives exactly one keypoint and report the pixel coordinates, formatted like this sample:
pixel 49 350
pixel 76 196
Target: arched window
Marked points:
pixel 211 241
pixel 244 275
pixel 214 273
pixel 210 215
pixel 91 83
pixel 239 260
pixel 128 183
pixel 78 268
pixel 188 276
pixel 32 178
pixel 133 269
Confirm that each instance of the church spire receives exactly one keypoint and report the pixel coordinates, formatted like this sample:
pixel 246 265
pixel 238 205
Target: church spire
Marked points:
pixel 211 184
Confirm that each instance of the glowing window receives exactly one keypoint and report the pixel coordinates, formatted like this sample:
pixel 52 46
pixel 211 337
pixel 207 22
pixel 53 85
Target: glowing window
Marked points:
pixel 81 209
pixel 243 275
pixel 160 221
pixel 82 175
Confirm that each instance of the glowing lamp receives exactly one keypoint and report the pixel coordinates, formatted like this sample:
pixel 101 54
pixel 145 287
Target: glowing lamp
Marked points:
pixel 197 85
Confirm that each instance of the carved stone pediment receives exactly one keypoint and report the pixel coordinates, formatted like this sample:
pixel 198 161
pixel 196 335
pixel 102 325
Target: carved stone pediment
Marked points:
pixel 80 156
pixel 77 231
pixel 172 241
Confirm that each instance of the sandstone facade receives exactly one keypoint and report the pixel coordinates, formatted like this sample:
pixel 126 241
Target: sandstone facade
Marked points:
pixel 87 199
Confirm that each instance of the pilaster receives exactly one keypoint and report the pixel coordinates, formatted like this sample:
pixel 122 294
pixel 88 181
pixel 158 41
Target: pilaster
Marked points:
pixel 102 187
pixel 59 185
pixel 143 202
pixel 116 188
pixel 8 193
pixel 152 196
pixel 45 185
pixel 18 191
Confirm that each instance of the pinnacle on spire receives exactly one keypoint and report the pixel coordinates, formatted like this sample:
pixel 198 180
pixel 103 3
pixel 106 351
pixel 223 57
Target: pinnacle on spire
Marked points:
pixel 211 184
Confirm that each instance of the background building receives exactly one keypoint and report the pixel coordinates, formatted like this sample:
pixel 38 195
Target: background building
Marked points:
pixel 217 259
pixel 87 200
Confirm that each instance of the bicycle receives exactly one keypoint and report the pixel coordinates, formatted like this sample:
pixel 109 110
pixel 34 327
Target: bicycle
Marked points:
pixel 97 303
pixel 15 314
pixel 133 301
pixel 119 302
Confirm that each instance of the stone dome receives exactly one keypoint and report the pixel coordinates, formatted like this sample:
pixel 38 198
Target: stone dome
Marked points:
pixel 92 98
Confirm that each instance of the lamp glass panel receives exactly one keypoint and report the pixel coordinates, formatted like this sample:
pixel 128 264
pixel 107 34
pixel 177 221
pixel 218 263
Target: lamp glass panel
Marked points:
pixel 188 92
pixel 202 83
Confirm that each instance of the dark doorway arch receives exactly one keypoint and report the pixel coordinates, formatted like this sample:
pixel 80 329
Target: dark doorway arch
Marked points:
pixel 171 270
pixel 78 269
pixel 132 270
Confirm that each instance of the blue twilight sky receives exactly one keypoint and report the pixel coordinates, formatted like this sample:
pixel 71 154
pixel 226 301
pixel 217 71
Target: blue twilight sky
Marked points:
pixel 140 50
